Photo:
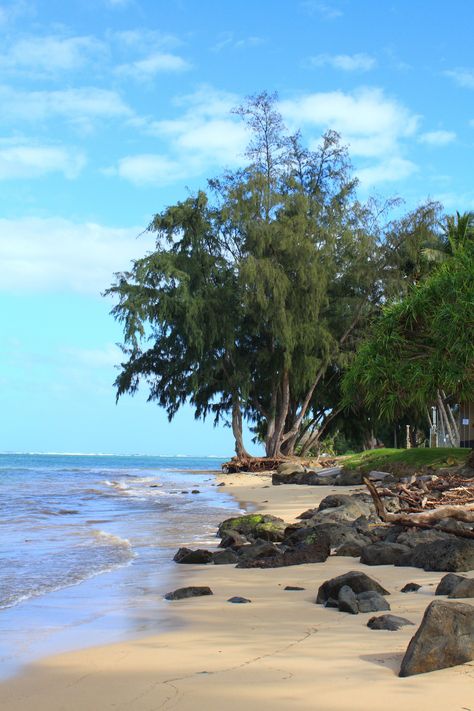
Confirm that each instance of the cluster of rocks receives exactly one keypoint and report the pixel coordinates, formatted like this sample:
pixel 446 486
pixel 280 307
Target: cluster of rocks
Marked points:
pixel 344 525
pixel 294 473
pixel 353 592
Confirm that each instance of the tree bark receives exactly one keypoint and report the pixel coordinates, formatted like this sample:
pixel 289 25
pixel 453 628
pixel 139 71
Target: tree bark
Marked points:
pixel 273 439
pixel 237 428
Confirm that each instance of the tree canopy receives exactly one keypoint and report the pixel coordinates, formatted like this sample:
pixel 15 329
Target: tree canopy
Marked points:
pixel 421 345
pixel 260 287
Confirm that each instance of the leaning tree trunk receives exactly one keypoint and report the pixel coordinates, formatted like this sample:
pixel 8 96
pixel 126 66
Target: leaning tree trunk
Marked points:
pixel 237 428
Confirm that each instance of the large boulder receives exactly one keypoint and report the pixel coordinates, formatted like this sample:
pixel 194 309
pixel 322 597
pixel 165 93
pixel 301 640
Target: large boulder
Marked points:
pixel 464 589
pixel 415 537
pixel 314 553
pixel 308 478
pixel 383 553
pixel 290 468
pixel 260 549
pixel 451 555
pixel 347 600
pixel 266 526
pixel 371 601
pixel 225 557
pixel 359 582
pixel 186 555
pixel 337 508
pixel 445 638
pixel 448 583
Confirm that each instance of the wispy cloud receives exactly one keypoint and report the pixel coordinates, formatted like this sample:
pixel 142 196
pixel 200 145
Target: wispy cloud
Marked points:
pixel 437 138
pixel 144 70
pixel 228 40
pixel 50 55
pixel 325 10
pixel 346 62
pixel 26 160
pixel 60 255
pixel 80 106
pixel 462 77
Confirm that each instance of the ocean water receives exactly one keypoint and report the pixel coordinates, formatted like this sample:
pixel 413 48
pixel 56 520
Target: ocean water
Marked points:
pixel 86 544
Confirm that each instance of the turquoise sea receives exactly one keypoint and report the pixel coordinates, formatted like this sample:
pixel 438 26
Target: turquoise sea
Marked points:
pixel 87 542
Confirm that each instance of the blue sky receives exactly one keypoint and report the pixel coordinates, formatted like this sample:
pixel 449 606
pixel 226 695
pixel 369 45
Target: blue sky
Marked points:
pixel 113 109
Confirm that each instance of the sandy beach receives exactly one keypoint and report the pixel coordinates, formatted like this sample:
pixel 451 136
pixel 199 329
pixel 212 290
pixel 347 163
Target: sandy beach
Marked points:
pixel 281 649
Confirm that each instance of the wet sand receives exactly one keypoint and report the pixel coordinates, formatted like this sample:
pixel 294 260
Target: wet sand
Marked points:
pixel 281 649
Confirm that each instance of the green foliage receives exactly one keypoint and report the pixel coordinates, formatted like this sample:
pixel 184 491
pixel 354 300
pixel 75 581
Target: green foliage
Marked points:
pixel 420 345
pixel 260 288
pixel 377 459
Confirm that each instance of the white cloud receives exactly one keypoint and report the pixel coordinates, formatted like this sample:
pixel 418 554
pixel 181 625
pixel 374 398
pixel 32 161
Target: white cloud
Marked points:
pixel 325 10
pixel 51 54
pixel 29 160
pixel 53 254
pixel 150 169
pixel 346 62
pixel 227 40
pixel 462 77
pixel 76 105
pixel 203 136
pixel 437 138
pixel 390 170
pixel 147 68
pixel 372 124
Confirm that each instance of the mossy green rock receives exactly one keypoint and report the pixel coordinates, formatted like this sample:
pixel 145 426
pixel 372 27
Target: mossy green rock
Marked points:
pixel 266 526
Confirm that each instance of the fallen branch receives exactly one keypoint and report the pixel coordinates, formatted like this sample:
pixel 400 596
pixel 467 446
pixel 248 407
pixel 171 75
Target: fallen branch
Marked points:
pixel 424 519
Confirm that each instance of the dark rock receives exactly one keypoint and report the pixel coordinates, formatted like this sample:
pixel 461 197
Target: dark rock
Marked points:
pixel 191 591
pixel 239 600
pixel 293 587
pixel 383 553
pixel 307 535
pixel 225 557
pixel 314 553
pixel 221 484
pixel 195 491
pixel 309 513
pixel 413 538
pixel 388 622
pixel 410 587
pixel 186 555
pixel 464 589
pixel 371 601
pixel 331 602
pixel 232 539
pixel 359 582
pixel 445 638
pixel 185 492
pixel 347 600
pixel 303 478
pixel 450 555
pixel 351 549
pixel 448 583
pixel 261 549
pixel 263 526
pixel 348 477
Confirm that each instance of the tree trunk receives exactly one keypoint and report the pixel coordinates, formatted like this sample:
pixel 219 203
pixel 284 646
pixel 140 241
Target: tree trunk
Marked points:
pixel 237 428
pixel 273 439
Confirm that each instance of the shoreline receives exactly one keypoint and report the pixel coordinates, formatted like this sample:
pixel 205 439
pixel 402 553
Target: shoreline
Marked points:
pixel 280 649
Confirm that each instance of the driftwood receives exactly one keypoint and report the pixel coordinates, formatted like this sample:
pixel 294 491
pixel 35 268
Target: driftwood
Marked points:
pixel 425 518
pixel 266 464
